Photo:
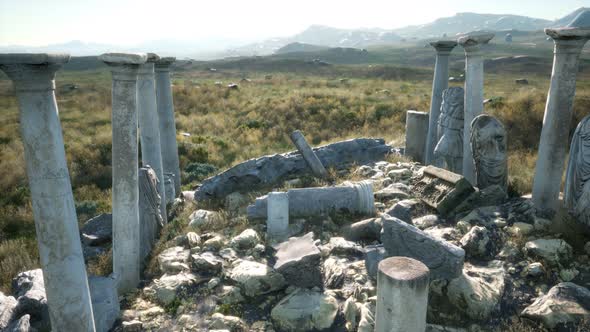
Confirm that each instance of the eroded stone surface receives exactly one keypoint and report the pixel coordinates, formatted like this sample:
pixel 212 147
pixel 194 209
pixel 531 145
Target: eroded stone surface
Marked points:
pixel 298 260
pixel 564 303
pixel 444 259
pixel 441 189
pixel 305 310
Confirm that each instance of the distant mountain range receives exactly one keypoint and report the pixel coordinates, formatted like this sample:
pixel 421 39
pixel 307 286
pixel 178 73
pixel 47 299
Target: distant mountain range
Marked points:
pixel 316 36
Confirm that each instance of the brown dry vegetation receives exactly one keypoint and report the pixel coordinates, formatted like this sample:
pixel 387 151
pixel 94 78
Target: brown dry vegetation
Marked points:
pixel 229 126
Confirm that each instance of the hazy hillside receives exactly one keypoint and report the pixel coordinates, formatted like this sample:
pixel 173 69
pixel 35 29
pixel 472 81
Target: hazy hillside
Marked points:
pixel 464 22
pixel 300 47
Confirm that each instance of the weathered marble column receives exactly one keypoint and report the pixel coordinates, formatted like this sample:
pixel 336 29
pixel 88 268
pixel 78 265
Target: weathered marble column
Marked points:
pixel 277 222
pixel 310 157
pixel 167 122
pixel 569 42
pixel 56 224
pixel 416 133
pixel 355 198
pixel 149 127
pixel 402 295
pixel 440 82
pixel 472 42
pixel 126 229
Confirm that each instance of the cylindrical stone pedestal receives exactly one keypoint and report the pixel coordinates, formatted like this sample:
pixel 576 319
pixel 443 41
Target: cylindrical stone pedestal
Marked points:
pixel 402 295
pixel 149 126
pixel 416 133
pixel 569 42
pixel 126 230
pixel 440 82
pixel 277 222
pixel 310 157
pixel 56 224
pixel 165 104
pixel 472 42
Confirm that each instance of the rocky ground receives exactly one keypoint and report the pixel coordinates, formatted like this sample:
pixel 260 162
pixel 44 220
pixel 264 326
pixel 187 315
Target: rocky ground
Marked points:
pixel 521 272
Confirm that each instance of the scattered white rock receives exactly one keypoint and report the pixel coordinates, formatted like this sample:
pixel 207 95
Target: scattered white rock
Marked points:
pixel 305 310
pixel 256 278
pixel 564 303
pixel 553 251
pixel 174 260
pixel 246 240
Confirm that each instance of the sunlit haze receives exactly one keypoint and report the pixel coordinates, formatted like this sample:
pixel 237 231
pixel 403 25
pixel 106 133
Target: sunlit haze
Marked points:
pixel 129 22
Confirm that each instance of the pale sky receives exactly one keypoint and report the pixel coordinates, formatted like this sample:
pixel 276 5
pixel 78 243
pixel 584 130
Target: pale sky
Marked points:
pixel 129 22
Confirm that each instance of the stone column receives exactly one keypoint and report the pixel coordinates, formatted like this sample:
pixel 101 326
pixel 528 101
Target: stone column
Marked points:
pixel 149 127
pixel 439 83
pixel 472 42
pixel 569 42
pixel 56 224
pixel 402 295
pixel 416 133
pixel 167 123
pixel 277 222
pixel 126 230
pixel 310 157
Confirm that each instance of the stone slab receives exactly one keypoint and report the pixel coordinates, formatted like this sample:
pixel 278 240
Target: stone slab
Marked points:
pixel 444 259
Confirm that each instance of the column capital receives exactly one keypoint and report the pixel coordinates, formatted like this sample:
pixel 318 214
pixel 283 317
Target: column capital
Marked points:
pixel 443 47
pixel 569 40
pixel 472 41
pixel 164 64
pixel 124 66
pixel 32 71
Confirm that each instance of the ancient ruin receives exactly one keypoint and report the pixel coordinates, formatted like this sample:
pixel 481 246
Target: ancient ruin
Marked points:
pixel 126 239
pixel 165 106
pixel 490 155
pixel 402 295
pixel 448 152
pixel 471 43
pixel 149 125
pixel 569 42
pixel 60 249
pixel 440 82
pixel 416 133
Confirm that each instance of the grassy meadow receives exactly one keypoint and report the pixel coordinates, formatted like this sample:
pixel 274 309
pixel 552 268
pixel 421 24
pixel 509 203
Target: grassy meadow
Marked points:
pixel 351 97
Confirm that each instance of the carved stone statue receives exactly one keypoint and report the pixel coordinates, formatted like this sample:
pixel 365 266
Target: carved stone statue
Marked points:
pixel 577 184
pixel 448 153
pixel 488 144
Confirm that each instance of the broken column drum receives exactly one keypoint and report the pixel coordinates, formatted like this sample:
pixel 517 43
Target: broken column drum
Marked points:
pixel 440 82
pixel 310 157
pixel 577 180
pixel 472 42
pixel 416 132
pixel 167 123
pixel 56 224
pixel 277 222
pixel 149 127
pixel 126 228
pixel 448 153
pixel 355 198
pixel 490 155
pixel 402 295
pixel 569 42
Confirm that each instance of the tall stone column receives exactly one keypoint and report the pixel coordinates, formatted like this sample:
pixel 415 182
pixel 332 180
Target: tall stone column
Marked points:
pixel 126 229
pixel 569 42
pixel 167 122
pixel 56 224
pixel 149 125
pixel 472 42
pixel 439 83
pixel 416 134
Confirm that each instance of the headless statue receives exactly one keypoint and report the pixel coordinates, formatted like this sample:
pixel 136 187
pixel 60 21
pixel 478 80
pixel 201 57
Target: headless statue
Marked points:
pixel 448 152
pixel 488 145
pixel 577 184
